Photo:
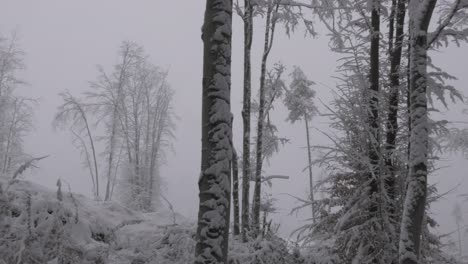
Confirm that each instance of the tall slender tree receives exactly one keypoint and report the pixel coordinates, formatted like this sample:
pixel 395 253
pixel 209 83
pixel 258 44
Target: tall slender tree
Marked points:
pixel 299 101
pixel 246 114
pixel 272 7
pixel 420 13
pixel 133 106
pixel 397 24
pixel 117 95
pixel 73 112
pixel 16 111
pixel 373 112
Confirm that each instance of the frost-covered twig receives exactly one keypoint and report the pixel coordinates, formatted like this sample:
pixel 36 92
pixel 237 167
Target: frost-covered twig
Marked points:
pixel 22 168
pixel 26 165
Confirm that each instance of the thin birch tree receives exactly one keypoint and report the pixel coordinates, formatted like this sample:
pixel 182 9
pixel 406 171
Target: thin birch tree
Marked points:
pixel 272 7
pixel 72 113
pixel 299 101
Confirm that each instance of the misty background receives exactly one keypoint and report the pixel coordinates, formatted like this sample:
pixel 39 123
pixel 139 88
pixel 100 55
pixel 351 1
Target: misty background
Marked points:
pixel 65 40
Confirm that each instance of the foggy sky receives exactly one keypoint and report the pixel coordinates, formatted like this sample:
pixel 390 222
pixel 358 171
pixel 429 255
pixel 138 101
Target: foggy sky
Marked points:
pixel 64 40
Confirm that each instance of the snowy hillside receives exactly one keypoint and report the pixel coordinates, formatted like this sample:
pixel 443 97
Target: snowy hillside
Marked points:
pixel 40 228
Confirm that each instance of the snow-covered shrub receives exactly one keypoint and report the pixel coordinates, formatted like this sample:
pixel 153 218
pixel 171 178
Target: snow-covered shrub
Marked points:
pixel 269 249
pixel 176 246
pixel 37 227
pixel 32 231
pixel 155 240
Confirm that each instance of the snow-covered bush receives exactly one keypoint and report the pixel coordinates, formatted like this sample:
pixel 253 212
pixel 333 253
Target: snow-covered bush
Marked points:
pixel 32 231
pixel 38 225
pixel 268 249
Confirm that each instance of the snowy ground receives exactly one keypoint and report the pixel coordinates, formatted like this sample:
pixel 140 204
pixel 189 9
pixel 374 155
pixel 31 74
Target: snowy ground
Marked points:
pixel 38 227
pixel 91 231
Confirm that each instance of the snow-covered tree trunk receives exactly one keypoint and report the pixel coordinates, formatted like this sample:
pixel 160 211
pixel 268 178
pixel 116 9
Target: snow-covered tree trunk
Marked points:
pixel 15 111
pixel 110 158
pixel 246 113
pixel 93 148
pixel 160 125
pixel 153 172
pixel 85 151
pixel 72 111
pixel 137 127
pixel 215 180
pixel 114 122
pixel 420 13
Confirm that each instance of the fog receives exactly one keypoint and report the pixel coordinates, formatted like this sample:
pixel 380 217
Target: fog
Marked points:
pixel 65 40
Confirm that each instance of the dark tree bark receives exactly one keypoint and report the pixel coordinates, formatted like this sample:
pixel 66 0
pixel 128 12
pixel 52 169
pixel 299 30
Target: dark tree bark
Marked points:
pixel 272 9
pixel 235 191
pixel 391 27
pixel 215 180
pixel 374 144
pixel 246 113
pixel 374 89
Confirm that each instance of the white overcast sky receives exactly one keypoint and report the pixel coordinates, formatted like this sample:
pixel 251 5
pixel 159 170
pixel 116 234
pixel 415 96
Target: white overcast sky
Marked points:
pixel 64 40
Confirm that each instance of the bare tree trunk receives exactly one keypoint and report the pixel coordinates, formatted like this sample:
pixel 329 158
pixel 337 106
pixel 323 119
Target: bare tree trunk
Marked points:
pixel 155 143
pixel 117 165
pixel 9 139
pixel 138 184
pixel 113 131
pixel 153 167
pixel 392 117
pixel 311 179
pixel 374 90
pixel 93 149
pixel 88 160
pixel 420 13
pixel 110 159
pixel 246 166
pixel 160 125
pixel 215 177
pixel 124 123
pixel 235 191
pixel 148 182
pixel 268 42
